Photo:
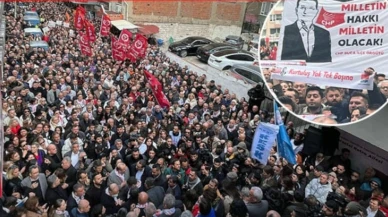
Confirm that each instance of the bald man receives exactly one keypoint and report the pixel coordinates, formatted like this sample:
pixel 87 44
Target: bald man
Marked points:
pixel 82 210
pixel 142 203
pixel 52 160
pixel 273 213
pixel 110 199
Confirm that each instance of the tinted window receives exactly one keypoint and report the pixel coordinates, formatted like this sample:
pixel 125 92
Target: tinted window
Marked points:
pixel 256 78
pixel 247 58
pixel 243 72
pixel 235 57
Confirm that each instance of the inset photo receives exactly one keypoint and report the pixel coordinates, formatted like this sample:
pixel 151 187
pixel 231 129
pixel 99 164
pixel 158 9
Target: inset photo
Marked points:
pixel 325 60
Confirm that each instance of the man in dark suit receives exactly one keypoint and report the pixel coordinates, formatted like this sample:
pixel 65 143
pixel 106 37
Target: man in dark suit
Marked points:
pixel 141 171
pixel 303 40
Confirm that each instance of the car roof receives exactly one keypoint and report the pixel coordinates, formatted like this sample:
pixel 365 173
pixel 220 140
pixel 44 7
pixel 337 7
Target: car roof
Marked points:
pixel 198 37
pixel 231 51
pixel 215 45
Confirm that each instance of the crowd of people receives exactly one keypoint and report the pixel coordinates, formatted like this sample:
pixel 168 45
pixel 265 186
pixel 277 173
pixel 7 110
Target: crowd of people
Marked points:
pixel 331 105
pixel 85 138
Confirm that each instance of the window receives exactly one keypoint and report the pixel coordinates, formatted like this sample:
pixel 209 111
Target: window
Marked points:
pixel 199 43
pixel 235 57
pixel 266 8
pixel 275 17
pixel 247 58
pixel 275 31
pixel 256 78
pixel 244 73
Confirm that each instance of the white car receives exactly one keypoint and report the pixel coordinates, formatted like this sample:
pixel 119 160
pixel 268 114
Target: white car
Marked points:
pixel 225 59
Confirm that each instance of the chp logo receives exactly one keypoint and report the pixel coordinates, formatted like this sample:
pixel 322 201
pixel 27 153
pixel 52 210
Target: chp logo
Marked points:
pixel 365 78
pixel 139 44
pixel 124 37
pixel 330 19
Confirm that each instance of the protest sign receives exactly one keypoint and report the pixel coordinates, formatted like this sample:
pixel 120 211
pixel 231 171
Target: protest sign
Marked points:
pixel 46 29
pixel 59 23
pixel 324 76
pixel 51 24
pixel 263 141
pixel 67 25
pixel 334 34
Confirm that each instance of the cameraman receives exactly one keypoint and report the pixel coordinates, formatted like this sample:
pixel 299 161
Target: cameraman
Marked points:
pixel 256 96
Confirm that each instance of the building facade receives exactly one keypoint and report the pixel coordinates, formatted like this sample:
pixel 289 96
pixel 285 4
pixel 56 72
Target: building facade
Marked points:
pixel 271 27
pixel 179 19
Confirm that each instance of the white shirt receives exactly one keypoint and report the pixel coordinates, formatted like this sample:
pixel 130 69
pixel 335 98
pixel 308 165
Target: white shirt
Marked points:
pixel 74 159
pixel 308 37
pixel 370 212
pixel 139 174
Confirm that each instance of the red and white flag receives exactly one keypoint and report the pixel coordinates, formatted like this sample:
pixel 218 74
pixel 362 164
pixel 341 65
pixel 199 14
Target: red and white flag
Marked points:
pixel 156 87
pixel 125 38
pixel 138 48
pixel 90 31
pixel 105 25
pixel 118 51
pixel 79 18
pixel 85 45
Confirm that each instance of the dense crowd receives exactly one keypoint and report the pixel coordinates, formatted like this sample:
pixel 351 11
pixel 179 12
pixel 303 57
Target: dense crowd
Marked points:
pixel 84 137
pixel 329 105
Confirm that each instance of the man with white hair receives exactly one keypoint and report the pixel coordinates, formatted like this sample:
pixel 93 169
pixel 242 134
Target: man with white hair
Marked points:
pixel 169 207
pixel 383 85
pixel 257 207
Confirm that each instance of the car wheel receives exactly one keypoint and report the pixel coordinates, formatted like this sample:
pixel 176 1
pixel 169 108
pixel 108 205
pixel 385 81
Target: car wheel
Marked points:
pixel 226 67
pixel 183 53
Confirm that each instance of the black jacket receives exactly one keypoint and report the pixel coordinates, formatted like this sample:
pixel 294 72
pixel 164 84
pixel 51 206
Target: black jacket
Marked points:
pixel 52 194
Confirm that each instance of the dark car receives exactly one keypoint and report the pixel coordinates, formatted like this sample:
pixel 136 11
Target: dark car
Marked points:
pixel 203 53
pixel 248 74
pixel 236 41
pixel 188 46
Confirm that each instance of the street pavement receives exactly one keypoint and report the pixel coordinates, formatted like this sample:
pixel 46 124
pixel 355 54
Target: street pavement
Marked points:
pixel 220 77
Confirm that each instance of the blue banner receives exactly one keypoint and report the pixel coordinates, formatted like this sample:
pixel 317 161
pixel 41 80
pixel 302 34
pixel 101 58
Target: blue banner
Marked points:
pixel 284 144
pixel 263 141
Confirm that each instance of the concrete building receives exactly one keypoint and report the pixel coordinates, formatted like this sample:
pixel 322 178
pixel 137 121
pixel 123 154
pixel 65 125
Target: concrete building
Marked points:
pixel 271 28
pixel 179 19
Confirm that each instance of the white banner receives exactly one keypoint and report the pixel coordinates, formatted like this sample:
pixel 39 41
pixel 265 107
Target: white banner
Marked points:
pixel 59 23
pixel 51 24
pixel 324 77
pixel 335 34
pixel 272 63
pixel 71 33
pixel 363 154
pixel 67 25
pixel 263 140
pixel 46 29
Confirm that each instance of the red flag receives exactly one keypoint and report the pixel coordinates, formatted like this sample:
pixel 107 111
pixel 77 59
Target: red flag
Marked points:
pixel 162 99
pixel 156 87
pixel 118 52
pixel 105 25
pixel 85 45
pixel 154 82
pixel 125 38
pixel 138 48
pixel 90 31
pixel 79 18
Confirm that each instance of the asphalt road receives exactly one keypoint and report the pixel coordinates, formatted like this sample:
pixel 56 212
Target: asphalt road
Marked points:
pixel 220 77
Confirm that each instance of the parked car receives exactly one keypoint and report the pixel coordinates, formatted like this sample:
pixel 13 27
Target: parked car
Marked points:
pixel 203 53
pixel 188 46
pixel 31 13
pixel 235 41
pixel 249 74
pixel 225 59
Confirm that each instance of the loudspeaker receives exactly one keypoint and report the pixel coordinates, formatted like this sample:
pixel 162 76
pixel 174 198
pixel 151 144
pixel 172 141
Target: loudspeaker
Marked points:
pixel 331 138
pixel 313 141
